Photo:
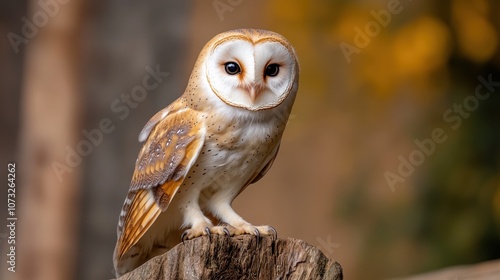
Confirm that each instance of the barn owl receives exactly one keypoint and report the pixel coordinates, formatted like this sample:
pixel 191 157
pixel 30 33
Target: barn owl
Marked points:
pixel 206 147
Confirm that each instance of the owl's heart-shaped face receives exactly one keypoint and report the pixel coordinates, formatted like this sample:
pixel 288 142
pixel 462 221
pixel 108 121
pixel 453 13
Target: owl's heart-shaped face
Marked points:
pixel 252 71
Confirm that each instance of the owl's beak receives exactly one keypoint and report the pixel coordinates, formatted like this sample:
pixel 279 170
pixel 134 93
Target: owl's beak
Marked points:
pixel 255 92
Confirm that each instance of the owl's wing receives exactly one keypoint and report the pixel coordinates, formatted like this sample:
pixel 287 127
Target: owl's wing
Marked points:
pixel 262 171
pixel 173 143
pixel 266 167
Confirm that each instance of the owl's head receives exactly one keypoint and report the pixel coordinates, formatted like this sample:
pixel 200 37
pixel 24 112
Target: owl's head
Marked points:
pixel 250 69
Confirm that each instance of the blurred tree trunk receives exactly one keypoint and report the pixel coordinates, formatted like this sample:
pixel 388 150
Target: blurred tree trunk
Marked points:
pixel 51 109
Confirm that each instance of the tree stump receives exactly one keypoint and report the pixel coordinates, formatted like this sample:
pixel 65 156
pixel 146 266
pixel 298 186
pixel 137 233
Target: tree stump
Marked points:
pixel 240 257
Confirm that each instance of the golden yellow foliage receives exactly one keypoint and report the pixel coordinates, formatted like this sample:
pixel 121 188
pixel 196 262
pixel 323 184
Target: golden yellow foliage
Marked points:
pixel 476 36
pixel 421 47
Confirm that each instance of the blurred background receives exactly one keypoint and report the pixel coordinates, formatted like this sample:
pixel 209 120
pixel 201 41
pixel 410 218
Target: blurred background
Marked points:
pixel 377 77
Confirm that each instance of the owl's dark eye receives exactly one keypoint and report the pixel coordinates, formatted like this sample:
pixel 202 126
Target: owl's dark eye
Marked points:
pixel 272 70
pixel 232 68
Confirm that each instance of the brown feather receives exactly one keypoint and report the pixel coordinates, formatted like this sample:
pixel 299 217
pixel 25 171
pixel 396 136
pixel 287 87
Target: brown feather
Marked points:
pixel 172 146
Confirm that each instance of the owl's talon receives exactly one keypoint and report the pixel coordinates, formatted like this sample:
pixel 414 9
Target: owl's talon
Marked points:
pixel 274 234
pixel 226 228
pixel 195 231
pixel 257 233
pixel 183 236
pixel 207 231
pixel 222 230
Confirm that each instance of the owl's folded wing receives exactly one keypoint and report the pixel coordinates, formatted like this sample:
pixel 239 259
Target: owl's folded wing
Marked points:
pixel 173 145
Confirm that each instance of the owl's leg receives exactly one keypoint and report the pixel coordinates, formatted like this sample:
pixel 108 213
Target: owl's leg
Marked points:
pixel 194 218
pixel 236 225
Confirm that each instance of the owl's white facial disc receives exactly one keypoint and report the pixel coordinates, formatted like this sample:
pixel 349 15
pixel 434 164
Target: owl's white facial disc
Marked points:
pixel 251 75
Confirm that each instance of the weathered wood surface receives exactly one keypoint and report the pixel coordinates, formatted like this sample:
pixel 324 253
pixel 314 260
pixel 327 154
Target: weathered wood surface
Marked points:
pixel 482 271
pixel 241 257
